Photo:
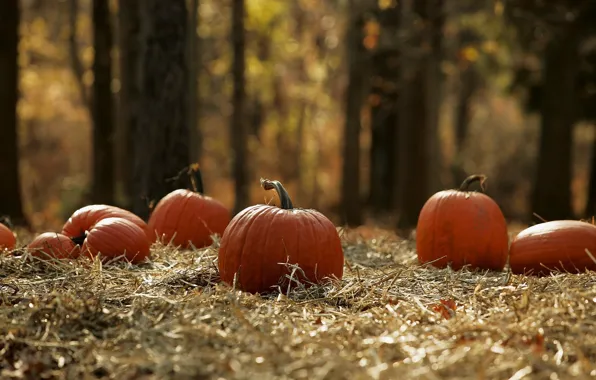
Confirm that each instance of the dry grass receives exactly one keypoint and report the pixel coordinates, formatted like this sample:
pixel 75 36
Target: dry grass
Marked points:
pixel 388 319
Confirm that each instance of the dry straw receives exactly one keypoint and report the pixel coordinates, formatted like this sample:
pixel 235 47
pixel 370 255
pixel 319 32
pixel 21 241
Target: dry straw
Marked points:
pixel 388 319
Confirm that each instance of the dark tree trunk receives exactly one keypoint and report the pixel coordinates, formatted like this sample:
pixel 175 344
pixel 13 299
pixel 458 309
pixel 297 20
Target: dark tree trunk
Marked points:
pixel 238 134
pixel 468 85
pixel 10 192
pixel 357 86
pixel 412 140
pixel 434 15
pixel 552 188
pixel 102 106
pixel 162 130
pixel 590 210
pixel 130 91
pixel 193 74
pixel 384 123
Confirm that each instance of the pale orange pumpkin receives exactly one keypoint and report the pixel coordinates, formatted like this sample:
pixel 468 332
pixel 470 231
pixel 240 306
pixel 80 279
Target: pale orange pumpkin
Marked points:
pixel 7 239
pixel 558 245
pixel 53 245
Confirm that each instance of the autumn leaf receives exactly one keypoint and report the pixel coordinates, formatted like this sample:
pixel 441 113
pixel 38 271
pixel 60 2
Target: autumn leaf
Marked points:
pixel 446 308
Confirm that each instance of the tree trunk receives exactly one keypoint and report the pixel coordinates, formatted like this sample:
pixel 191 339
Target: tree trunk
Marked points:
pixel 130 91
pixel 412 155
pixel 590 210
pixel 194 65
pixel 10 192
pixel 238 133
pixel 162 133
pixel 552 188
pixel 102 106
pixel 384 123
pixel 75 60
pixel 357 86
pixel 435 18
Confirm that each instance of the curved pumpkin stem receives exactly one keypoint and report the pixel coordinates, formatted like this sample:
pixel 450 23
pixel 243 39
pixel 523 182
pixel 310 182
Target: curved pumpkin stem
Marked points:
pixel 196 178
pixel 465 186
pixel 284 197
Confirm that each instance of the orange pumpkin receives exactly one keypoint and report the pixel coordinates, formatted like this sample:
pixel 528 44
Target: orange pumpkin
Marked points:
pixel 262 238
pixel 184 218
pixel 53 245
pixel 7 239
pixel 86 217
pixel 461 227
pixel 558 245
pixel 114 237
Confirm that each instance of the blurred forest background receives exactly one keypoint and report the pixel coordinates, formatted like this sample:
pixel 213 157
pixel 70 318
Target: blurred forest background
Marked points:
pixel 362 108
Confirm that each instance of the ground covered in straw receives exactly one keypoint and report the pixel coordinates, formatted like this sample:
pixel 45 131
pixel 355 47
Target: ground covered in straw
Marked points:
pixel 388 319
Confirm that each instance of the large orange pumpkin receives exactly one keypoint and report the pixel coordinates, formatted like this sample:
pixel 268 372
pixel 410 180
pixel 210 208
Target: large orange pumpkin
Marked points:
pixel 7 239
pixel 462 227
pixel 114 237
pixel 558 245
pixel 53 245
pixel 188 218
pixel 262 238
pixel 86 217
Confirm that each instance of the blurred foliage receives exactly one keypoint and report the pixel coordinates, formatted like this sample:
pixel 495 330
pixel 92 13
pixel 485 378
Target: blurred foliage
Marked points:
pixel 295 84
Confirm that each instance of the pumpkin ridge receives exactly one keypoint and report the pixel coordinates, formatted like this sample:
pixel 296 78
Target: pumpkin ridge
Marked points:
pixel 251 222
pixel 187 197
pixel 317 243
pixel 315 216
pixel 268 235
pixel 129 241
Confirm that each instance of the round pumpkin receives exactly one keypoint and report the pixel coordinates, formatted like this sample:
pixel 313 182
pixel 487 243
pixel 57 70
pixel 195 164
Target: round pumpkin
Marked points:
pixel 461 227
pixel 53 245
pixel 260 239
pixel 114 237
pixel 86 217
pixel 7 239
pixel 188 218
pixel 558 245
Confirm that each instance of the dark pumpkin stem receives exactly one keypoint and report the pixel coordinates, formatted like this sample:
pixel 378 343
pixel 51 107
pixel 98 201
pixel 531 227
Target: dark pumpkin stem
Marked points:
pixel 196 178
pixel 6 221
pixel 286 202
pixel 465 186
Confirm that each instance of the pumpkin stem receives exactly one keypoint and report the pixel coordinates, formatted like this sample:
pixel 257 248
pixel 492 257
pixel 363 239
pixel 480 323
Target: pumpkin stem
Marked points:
pixel 465 186
pixel 196 178
pixel 284 197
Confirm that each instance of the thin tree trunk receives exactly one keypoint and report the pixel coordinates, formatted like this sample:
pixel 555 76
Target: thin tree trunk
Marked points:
pixel 193 71
pixel 357 87
pixel 162 132
pixel 434 14
pixel 552 188
pixel 75 60
pixel 412 156
pixel 11 204
pixel 130 91
pixel 102 106
pixel 238 133
pixel 590 210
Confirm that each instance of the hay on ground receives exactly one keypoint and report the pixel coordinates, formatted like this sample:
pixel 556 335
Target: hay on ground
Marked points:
pixel 388 319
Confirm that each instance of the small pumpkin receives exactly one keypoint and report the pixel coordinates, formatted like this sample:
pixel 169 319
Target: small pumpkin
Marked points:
pixel 86 217
pixel 53 245
pixel 114 237
pixel 558 245
pixel 462 227
pixel 261 238
pixel 184 217
pixel 8 240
